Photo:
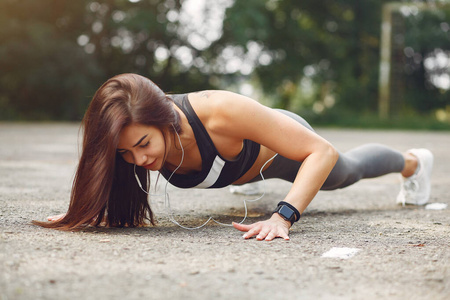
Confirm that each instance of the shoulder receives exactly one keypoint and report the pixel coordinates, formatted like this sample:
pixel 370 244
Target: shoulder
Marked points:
pixel 228 113
pixel 215 105
pixel 215 98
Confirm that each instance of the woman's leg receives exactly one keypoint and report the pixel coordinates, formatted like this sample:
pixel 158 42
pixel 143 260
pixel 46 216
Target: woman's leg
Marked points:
pixel 367 161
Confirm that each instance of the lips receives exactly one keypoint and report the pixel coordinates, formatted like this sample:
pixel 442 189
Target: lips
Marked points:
pixel 149 166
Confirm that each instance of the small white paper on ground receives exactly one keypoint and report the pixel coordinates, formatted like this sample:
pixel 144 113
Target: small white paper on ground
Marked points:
pixel 436 206
pixel 342 253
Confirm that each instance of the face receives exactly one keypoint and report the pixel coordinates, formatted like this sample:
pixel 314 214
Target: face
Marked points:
pixel 142 145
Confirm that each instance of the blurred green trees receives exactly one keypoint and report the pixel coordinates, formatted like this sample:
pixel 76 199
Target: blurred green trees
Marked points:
pixel 54 54
pixel 426 49
pixel 331 44
pixel 315 57
pixel 43 72
pixel 325 55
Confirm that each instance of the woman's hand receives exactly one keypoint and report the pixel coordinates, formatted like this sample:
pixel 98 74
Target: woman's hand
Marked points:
pixel 55 218
pixel 267 230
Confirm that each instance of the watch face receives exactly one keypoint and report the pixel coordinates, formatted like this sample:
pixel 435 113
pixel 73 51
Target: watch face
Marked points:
pixel 286 212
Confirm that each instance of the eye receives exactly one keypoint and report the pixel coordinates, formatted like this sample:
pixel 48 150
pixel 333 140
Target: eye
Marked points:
pixel 145 145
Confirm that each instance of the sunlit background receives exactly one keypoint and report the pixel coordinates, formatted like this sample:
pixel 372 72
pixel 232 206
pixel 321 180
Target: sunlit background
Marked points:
pixel 321 59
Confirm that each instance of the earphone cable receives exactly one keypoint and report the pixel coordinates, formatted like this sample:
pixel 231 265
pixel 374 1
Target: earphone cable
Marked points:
pixel 167 198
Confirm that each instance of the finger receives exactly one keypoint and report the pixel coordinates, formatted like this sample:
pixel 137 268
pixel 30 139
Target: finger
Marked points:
pixel 263 234
pixel 55 218
pixel 252 232
pixel 284 235
pixel 270 236
pixel 242 227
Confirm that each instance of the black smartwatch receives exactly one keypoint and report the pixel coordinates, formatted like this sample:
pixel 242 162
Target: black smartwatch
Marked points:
pixel 287 212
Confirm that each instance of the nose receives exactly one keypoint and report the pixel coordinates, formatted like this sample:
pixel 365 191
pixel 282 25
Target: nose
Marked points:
pixel 140 160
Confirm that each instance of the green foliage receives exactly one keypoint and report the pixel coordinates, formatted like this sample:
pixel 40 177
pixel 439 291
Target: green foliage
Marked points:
pixel 336 45
pixel 337 39
pixel 427 34
pixel 370 120
pixel 54 54
pixel 43 72
pixel 320 58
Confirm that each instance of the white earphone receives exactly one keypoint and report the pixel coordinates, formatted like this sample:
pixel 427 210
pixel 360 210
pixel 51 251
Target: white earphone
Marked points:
pixel 167 200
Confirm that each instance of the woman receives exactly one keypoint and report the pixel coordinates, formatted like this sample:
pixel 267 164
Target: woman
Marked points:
pixel 212 139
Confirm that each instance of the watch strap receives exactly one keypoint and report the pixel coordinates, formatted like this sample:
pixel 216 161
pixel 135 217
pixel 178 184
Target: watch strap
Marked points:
pixel 296 212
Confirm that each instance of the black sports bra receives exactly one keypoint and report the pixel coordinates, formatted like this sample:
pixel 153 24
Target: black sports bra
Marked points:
pixel 217 172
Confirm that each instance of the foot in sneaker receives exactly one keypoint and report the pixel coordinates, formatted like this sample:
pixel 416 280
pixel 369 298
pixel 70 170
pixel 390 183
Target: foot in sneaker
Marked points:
pixel 416 188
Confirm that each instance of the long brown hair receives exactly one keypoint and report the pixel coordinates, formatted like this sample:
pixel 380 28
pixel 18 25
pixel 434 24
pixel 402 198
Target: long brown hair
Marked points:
pixel 105 190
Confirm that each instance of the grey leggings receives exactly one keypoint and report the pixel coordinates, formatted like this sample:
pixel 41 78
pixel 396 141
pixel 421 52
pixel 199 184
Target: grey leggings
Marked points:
pixel 366 161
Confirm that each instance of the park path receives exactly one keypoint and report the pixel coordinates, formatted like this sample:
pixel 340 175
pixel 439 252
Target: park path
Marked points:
pixel 402 253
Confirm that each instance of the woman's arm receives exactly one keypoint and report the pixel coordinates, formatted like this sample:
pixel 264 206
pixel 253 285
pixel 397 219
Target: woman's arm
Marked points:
pixel 312 174
pixel 240 117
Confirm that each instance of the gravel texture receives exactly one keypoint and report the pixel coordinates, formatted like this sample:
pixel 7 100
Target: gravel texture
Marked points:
pixel 403 252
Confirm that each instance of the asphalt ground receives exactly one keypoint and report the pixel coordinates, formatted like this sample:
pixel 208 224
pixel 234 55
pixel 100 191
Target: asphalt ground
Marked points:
pixel 402 252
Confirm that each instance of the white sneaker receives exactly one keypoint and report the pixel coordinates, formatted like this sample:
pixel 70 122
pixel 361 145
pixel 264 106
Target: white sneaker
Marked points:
pixel 416 188
pixel 248 189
